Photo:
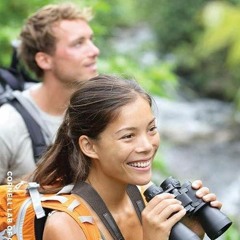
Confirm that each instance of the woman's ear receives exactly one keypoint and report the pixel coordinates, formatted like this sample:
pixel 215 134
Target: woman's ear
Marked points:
pixel 43 60
pixel 87 146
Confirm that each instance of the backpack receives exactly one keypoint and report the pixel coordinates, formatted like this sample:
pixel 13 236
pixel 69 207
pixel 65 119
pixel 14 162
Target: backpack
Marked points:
pixel 15 77
pixel 23 211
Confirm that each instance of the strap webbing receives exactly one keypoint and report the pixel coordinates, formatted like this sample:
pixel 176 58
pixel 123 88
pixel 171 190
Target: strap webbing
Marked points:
pixel 136 199
pixel 38 142
pixel 39 224
pixel 36 199
pixel 88 193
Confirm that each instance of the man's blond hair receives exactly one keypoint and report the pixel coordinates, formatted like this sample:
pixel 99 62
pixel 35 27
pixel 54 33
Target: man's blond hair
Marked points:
pixel 37 34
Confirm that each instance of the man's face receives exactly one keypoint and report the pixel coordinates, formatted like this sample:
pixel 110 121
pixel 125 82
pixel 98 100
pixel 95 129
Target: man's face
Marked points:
pixel 75 56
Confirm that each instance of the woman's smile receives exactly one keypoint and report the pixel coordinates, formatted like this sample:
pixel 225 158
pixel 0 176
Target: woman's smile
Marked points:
pixel 140 164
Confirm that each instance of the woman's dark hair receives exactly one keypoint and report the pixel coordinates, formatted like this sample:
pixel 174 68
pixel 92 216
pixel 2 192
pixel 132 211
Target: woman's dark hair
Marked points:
pixel 95 103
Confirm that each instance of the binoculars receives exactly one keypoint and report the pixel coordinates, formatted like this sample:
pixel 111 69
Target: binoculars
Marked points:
pixel 212 220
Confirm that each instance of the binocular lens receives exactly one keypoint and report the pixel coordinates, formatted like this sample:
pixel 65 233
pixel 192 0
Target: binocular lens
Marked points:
pixel 213 221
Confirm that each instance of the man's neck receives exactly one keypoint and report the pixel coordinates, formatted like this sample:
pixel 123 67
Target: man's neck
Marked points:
pixel 52 98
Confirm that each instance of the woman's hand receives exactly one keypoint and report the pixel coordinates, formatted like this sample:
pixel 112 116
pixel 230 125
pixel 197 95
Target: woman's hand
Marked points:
pixel 160 215
pixel 207 196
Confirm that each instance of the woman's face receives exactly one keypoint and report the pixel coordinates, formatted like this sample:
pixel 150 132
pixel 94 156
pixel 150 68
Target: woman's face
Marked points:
pixel 126 148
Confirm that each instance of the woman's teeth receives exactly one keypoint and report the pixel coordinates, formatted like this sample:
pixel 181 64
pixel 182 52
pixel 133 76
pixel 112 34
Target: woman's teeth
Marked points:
pixel 140 164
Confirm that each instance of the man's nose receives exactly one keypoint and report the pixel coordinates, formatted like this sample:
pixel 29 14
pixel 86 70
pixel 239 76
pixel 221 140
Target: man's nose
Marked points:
pixel 93 50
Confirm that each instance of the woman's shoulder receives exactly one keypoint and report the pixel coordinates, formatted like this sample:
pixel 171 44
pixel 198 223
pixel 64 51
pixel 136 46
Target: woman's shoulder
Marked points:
pixel 61 226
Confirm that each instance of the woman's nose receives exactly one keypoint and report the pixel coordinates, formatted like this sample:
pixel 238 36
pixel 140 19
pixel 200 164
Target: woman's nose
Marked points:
pixel 144 144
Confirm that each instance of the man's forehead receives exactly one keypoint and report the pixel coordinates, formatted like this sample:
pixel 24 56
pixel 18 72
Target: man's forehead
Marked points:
pixel 66 25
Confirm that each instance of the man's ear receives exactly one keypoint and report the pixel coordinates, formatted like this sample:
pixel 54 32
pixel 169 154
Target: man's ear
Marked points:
pixel 43 60
pixel 87 146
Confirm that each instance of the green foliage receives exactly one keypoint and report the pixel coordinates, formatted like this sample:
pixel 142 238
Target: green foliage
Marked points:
pixel 13 13
pixel 237 99
pixel 174 22
pixel 221 35
pixel 109 16
pixel 159 165
pixel 200 62
pixel 233 233
pixel 178 28
pixel 157 78
pixel 221 21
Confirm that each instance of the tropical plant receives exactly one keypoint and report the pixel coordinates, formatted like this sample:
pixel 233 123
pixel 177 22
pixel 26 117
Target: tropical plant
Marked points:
pixel 221 35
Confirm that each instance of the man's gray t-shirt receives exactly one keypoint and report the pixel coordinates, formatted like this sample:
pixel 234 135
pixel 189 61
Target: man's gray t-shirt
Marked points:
pixel 16 154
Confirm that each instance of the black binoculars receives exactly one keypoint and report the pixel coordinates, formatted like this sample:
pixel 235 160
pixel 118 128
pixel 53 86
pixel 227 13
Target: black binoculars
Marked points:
pixel 212 220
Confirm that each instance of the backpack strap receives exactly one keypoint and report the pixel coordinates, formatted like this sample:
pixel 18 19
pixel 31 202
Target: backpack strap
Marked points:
pixel 137 200
pixel 19 70
pixel 39 224
pixel 88 193
pixel 35 132
pixel 72 205
pixel 9 77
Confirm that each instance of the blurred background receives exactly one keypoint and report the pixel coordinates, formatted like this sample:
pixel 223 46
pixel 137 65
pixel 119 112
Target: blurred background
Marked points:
pixel 187 55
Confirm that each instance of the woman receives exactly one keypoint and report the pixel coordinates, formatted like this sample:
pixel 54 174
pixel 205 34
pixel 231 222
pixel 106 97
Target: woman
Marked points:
pixel 108 139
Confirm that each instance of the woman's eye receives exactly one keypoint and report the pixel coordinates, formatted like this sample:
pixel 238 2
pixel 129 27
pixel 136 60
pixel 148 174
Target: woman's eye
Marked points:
pixel 153 128
pixel 128 136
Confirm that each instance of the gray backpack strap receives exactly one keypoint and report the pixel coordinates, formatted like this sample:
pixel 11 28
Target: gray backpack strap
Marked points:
pixel 34 114
pixel 88 193
pixel 137 200
pixel 38 142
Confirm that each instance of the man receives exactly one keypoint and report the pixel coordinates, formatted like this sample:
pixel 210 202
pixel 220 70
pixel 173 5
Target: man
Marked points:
pixel 56 44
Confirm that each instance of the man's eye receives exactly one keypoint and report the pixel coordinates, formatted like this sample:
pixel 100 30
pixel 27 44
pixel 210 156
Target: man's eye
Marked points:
pixel 79 43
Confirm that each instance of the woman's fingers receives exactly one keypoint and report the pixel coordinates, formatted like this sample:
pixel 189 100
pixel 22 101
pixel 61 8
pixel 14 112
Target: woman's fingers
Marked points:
pixel 205 194
pixel 161 201
pixel 176 217
pixel 168 209
pixel 209 197
pixel 202 192
pixel 197 184
pixel 216 204
pixel 160 215
pixel 163 207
